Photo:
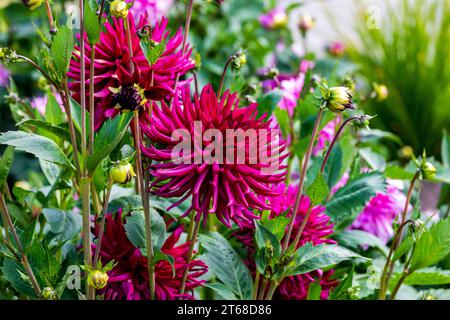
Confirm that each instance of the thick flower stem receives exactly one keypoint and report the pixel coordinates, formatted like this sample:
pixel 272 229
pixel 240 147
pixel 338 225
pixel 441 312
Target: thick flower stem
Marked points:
pixel 302 178
pixel 262 291
pixel 256 284
pixel 389 266
pixel 86 209
pixel 184 44
pixel 222 78
pixel 272 287
pixel 102 223
pixel 50 16
pixel 192 242
pixel 23 259
pixel 102 9
pixel 91 100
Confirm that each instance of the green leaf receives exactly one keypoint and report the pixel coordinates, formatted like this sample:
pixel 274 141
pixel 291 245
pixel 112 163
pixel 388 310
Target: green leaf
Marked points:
pixel 39 146
pixel 224 262
pixel 53 111
pixel 283 121
pixel 332 170
pixel 375 135
pixel 314 291
pixel 399 173
pixel 75 109
pixel 135 229
pixel 432 246
pixel 340 291
pixel 127 203
pixel 152 51
pixel 424 277
pixel 356 239
pixel 268 102
pixel 48 127
pixel 374 160
pixel 5 164
pixel 108 137
pixel 355 194
pixel 15 274
pixel 62 48
pixel 309 258
pixel 276 225
pixel 63 225
pixel 222 290
pixel 318 190
pixel 92 24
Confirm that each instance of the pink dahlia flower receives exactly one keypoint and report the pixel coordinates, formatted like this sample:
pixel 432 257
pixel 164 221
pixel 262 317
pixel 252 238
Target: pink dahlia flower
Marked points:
pixel 4 76
pixel 217 183
pixel 128 280
pixel 336 49
pixel 112 55
pixel 379 214
pixel 274 19
pixel 316 230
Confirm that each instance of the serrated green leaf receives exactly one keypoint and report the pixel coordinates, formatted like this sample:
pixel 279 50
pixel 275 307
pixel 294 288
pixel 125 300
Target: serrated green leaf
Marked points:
pixel 62 225
pixel 5 164
pixel 399 173
pixel 318 190
pixel 276 225
pixel 39 146
pixel 58 131
pixel 356 239
pixel 107 138
pixel 15 274
pixel 152 51
pixel 332 170
pixel 309 258
pixel 355 194
pixel 53 112
pixel 269 101
pixel 340 291
pixel 314 291
pixel 432 246
pixel 283 121
pixel 62 48
pixel 424 277
pixel 222 290
pixel 224 262
pixel 92 24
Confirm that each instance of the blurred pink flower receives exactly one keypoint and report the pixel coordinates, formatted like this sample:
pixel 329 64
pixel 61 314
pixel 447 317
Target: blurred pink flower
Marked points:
pixel 4 76
pixel 155 9
pixel 274 19
pixel 40 103
pixel 336 49
pixel 379 214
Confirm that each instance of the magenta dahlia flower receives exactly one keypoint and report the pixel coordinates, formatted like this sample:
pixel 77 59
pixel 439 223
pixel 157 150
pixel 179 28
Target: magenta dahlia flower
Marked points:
pixel 316 231
pixel 112 55
pixel 274 19
pixel 155 9
pixel 228 187
pixel 381 211
pixel 128 280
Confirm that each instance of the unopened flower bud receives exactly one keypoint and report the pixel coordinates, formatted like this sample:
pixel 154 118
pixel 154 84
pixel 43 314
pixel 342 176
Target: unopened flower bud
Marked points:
pixel 337 98
pixel 49 294
pixel 8 55
pixel 119 9
pixel 42 83
pixel 32 4
pixel 336 49
pixel 381 92
pixel 239 60
pixel 406 152
pixel 428 170
pixel 306 23
pixel 349 82
pixel 122 172
pixel 98 279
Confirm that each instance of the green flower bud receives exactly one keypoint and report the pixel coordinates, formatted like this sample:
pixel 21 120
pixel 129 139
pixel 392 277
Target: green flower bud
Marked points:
pixel 239 60
pixel 119 9
pixel 42 83
pixel 49 294
pixel 381 92
pixel 32 4
pixel 337 98
pixel 8 55
pixel 406 152
pixel 98 279
pixel 121 172
pixel 428 170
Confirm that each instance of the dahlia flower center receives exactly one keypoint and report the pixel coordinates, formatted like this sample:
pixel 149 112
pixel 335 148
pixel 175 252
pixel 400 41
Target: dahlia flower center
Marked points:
pixel 128 97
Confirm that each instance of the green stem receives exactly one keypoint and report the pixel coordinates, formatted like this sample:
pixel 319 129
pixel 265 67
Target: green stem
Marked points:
pixel 222 78
pixel 256 284
pixel 192 242
pixel 50 16
pixel 102 223
pixel 91 100
pixel 302 179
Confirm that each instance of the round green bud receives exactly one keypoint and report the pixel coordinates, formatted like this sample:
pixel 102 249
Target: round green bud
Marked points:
pixel 381 92
pixel 32 4
pixel 122 172
pixel 239 60
pixel 98 279
pixel 119 9
pixel 428 170
pixel 339 99
pixel 49 294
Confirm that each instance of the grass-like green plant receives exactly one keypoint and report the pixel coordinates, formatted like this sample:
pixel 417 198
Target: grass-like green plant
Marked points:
pixel 410 53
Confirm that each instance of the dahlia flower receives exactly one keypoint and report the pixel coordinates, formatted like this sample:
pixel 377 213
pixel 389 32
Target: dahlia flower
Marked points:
pixel 112 55
pixel 336 49
pixel 128 280
pixel 378 215
pixel 317 229
pixel 274 19
pixel 228 187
